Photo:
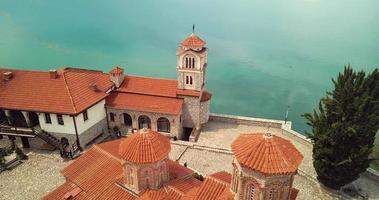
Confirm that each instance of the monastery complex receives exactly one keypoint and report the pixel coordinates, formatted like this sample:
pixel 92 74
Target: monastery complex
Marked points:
pixel 71 109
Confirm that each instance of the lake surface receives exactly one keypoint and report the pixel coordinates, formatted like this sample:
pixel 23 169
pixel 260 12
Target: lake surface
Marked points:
pixel 264 55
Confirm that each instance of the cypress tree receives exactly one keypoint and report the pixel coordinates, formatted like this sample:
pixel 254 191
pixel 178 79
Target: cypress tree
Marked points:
pixel 344 127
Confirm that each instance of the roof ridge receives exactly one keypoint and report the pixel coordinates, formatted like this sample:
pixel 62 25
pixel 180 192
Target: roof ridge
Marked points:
pixel 101 150
pixel 68 90
pixel 149 77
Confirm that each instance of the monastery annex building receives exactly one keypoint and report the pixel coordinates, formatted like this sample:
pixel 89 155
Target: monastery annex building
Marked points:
pixel 72 106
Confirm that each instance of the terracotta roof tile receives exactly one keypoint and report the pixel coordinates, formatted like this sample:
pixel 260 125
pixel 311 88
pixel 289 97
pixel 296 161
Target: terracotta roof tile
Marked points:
pixel 205 96
pixel 269 155
pixel 193 41
pixel 222 176
pixel 149 86
pixel 177 170
pixel 146 146
pixel 173 190
pixel 146 103
pixel 117 70
pixel 188 93
pixel 69 93
pixel 212 188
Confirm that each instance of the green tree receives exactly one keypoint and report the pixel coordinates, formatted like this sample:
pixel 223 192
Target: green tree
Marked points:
pixel 344 127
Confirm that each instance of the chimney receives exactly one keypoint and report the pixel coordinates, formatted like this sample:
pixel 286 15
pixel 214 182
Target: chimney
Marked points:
pixel 93 87
pixel 53 73
pixel 117 76
pixel 8 76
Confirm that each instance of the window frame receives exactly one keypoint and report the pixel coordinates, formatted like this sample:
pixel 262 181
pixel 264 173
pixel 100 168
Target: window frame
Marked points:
pixel 60 119
pixel 111 116
pixel 85 115
pixel 47 118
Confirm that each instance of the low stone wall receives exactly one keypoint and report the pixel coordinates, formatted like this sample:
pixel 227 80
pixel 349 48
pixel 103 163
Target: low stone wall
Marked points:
pixel 247 120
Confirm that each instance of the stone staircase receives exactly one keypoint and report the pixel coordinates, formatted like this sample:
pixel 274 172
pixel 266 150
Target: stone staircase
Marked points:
pixel 45 136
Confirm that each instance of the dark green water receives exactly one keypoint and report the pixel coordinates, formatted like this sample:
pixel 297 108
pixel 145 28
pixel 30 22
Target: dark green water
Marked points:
pixel 264 55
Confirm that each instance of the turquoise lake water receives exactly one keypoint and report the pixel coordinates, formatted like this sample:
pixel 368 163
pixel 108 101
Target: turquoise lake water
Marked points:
pixel 263 55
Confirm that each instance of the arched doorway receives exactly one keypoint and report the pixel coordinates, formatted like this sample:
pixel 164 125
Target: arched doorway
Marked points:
pixel 144 122
pixel 163 125
pixel 33 117
pixel 127 119
pixel 18 119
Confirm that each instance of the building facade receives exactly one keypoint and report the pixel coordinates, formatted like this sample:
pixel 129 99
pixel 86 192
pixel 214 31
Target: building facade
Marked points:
pixel 78 105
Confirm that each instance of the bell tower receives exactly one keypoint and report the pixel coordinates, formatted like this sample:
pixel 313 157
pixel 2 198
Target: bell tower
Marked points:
pixel 192 59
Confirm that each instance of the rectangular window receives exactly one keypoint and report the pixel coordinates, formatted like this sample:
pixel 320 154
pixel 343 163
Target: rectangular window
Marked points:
pixel 47 118
pixel 60 119
pixel 111 116
pixel 85 115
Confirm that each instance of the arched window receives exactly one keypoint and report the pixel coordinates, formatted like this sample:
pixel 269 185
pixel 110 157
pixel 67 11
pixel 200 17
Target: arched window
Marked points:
pixel 144 122
pixel 193 63
pixel 235 180
pixel 187 80
pixel 190 80
pixel 127 119
pixel 163 125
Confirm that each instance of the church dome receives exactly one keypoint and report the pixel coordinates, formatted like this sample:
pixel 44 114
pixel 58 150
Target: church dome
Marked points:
pixel 266 153
pixel 145 146
pixel 193 41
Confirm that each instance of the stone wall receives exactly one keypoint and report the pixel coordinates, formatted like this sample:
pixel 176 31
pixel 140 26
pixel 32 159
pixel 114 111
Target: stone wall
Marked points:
pixel 204 111
pixel 191 112
pixel 175 123
pixel 85 137
pixel 247 120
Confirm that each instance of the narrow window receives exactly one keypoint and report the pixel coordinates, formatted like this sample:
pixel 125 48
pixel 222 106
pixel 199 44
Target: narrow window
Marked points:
pixel 47 118
pixel 190 80
pixel 111 115
pixel 252 192
pixel 271 194
pixel 187 80
pixel 85 115
pixel 186 62
pixel 60 119
pixel 193 62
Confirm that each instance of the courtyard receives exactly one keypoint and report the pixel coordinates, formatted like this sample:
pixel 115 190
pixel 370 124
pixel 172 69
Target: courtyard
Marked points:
pixel 41 173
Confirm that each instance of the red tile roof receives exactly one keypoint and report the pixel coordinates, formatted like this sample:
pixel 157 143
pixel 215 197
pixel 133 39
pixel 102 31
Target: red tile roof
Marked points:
pixel 188 93
pixel 149 86
pixel 117 70
pixel 177 170
pixel 212 188
pixel 205 96
pixel 270 155
pixel 69 93
pixel 173 190
pixel 193 41
pixel 146 146
pixel 146 103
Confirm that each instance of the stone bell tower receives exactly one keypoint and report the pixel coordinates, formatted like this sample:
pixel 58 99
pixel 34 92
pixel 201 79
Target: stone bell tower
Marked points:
pixel 192 59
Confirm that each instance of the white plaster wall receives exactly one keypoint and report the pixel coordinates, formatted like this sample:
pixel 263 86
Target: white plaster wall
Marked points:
pixel 54 127
pixel 96 113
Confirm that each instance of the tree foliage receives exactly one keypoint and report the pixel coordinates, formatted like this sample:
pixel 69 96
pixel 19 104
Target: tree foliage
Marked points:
pixel 344 127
